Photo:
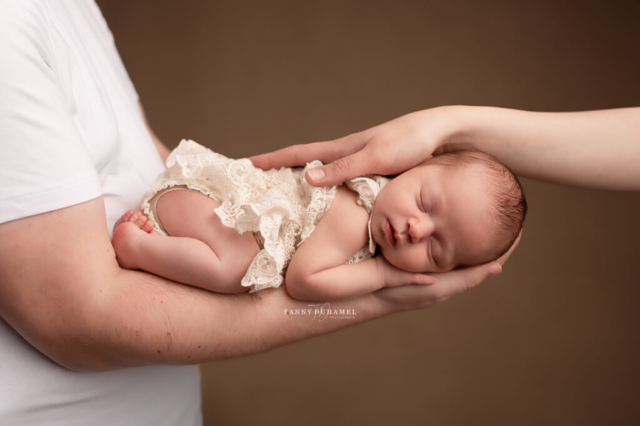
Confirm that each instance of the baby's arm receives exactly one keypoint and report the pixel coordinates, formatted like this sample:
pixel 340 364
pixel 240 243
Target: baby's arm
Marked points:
pixel 317 271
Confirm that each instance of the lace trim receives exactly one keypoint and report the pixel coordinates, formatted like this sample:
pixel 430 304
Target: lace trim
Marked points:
pixel 368 187
pixel 145 205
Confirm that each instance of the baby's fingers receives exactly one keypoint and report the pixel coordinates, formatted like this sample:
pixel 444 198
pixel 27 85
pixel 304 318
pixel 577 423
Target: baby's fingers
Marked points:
pixel 422 279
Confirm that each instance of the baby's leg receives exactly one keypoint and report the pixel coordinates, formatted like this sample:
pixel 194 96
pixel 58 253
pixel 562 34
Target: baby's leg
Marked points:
pixel 190 214
pixel 201 251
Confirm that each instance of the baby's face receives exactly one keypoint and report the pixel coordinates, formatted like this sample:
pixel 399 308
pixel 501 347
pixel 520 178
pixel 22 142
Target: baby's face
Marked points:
pixel 434 218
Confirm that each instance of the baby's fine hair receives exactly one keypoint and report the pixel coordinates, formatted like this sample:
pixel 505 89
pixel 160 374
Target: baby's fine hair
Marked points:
pixel 506 191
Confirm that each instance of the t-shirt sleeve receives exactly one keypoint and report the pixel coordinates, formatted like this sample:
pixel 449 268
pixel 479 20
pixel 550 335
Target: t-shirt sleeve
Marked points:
pixel 44 163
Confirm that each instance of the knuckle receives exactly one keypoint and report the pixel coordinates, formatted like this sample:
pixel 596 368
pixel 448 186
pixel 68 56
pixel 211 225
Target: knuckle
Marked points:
pixel 341 165
pixel 472 282
pixel 357 140
pixel 379 159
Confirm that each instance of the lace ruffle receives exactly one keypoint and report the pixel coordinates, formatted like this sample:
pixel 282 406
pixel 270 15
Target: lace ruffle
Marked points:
pixel 368 187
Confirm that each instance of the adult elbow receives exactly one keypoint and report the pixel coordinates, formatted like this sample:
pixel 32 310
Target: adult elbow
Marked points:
pixel 74 337
pixel 83 362
pixel 78 350
pixel 53 283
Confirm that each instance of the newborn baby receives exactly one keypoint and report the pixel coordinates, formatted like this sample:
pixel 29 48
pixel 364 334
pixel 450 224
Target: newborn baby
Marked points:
pixel 226 226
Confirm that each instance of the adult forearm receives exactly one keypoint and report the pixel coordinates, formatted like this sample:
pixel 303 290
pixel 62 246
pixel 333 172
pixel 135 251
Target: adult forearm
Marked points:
pixel 596 149
pixel 143 319
pixel 64 292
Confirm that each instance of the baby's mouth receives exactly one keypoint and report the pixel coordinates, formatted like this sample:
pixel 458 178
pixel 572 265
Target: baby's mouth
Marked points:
pixel 390 234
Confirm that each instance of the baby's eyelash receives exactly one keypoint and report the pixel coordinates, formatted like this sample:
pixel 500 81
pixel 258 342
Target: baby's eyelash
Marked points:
pixel 431 251
pixel 422 204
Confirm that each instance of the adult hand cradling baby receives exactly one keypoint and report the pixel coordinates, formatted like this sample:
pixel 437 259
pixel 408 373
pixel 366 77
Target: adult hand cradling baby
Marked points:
pixel 388 149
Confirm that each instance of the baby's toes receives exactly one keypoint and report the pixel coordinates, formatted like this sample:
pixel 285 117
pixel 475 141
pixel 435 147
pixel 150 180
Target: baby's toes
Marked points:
pixel 141 220
pixel 138 219
pixel 124 218
pixel 127 215
pixel 148 226
pixel 134 216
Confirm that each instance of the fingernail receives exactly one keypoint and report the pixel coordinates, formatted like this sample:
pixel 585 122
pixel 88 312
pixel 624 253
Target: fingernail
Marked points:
pixel 493 270
pixel 316 173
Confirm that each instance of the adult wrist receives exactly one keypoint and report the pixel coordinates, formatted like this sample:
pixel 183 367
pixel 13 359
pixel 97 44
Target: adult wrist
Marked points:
pixel 461 124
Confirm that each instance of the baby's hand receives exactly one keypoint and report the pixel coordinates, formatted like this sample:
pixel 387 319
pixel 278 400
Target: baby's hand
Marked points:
pixel 395 277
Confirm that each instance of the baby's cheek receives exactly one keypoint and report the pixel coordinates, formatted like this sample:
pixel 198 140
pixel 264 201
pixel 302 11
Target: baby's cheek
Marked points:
pixel 414 260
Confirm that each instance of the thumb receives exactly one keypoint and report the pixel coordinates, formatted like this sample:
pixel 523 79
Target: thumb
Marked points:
pixel 342 169
pixel 476 275
pixel 459 280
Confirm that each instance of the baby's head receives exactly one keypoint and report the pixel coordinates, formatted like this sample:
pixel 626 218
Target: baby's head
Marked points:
pixel 456 209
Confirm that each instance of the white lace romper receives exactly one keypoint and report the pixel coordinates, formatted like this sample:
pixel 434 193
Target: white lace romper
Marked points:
pixel 278 206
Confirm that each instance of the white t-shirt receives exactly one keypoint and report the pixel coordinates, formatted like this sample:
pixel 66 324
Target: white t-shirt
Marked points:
pixel 70 131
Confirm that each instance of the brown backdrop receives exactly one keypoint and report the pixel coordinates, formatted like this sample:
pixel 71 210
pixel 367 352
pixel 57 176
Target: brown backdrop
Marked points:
pixel 551 341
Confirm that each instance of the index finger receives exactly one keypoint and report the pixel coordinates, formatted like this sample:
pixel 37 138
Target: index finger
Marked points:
pixel 297 155
pixel 301 154
pixel 291 156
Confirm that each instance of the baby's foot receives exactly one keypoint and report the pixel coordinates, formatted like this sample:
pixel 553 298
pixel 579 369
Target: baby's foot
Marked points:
pixel 126 236
pixel 142 221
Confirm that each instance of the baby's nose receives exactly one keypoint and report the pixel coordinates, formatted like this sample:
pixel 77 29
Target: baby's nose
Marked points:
pixel 419 229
